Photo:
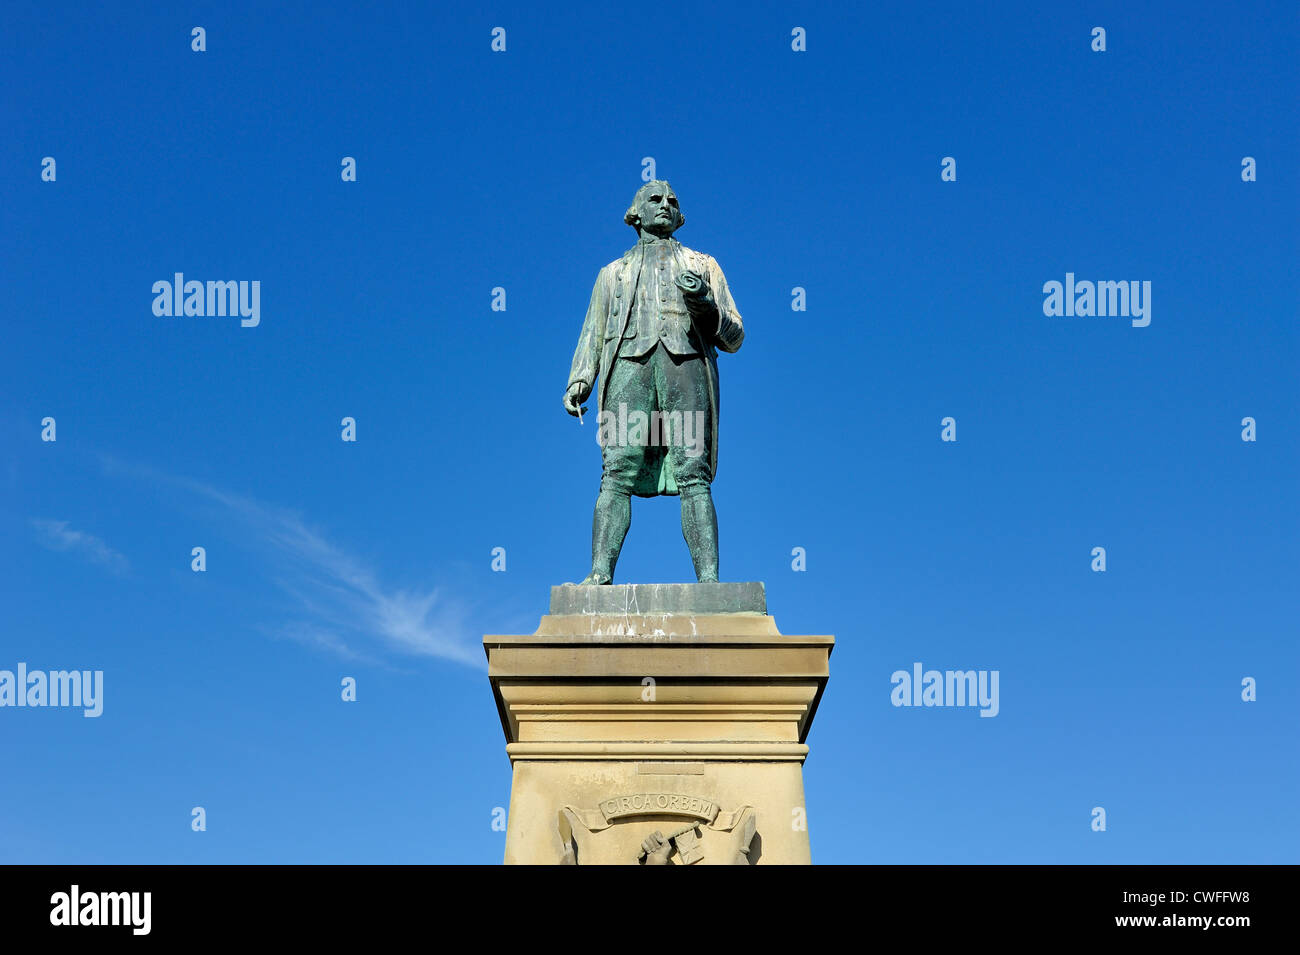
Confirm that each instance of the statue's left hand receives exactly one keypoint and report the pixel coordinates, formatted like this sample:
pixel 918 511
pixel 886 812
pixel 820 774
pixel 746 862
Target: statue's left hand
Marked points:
pixel 695 288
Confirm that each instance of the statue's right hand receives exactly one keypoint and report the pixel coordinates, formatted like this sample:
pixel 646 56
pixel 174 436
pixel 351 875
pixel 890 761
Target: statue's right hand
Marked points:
pixel 574 397
pixel 656 849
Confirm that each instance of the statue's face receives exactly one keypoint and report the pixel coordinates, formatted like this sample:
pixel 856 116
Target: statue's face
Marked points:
pixel 658 210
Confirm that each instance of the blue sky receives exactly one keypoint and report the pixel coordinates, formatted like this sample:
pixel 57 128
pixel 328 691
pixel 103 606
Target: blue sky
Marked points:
pixel 818 169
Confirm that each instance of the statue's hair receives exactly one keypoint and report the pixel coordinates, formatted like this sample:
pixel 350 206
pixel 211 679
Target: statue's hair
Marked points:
pixel 634 220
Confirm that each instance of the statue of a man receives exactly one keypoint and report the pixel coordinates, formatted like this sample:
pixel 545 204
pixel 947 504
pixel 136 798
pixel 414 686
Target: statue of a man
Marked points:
pixel 656 319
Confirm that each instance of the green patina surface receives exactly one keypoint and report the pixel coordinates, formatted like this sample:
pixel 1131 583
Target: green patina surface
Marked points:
pixel 648 351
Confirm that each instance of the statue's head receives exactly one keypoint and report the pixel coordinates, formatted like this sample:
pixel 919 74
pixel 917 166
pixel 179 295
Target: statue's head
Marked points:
pixel 654 209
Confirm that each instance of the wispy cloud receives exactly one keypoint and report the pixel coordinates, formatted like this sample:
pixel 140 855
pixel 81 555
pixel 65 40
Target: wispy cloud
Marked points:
pixel 342 598
pixel 343 603
pixel 312 635
pixel 58 536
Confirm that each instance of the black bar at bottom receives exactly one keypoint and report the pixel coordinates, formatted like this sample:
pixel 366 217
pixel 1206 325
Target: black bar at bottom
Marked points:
pixel 338 903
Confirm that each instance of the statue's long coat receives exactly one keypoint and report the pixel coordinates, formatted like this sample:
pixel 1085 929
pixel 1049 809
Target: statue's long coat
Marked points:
pixel 606 321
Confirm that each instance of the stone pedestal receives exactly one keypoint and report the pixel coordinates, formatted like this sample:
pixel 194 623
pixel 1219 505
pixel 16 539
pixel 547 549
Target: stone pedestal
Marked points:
pixel 668 717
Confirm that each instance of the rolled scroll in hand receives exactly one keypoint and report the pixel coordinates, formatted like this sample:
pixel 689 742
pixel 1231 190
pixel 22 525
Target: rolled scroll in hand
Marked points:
pixel 699 298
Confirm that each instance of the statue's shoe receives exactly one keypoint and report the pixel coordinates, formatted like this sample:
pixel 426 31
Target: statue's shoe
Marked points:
pixel 593 579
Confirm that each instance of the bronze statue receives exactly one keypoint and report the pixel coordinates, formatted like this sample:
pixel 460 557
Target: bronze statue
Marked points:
pixel 656 319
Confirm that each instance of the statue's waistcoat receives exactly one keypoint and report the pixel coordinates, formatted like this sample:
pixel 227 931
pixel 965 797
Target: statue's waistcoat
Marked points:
pixel 645 289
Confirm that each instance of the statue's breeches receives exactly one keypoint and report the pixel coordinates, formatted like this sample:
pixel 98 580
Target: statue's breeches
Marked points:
pixel 655 429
